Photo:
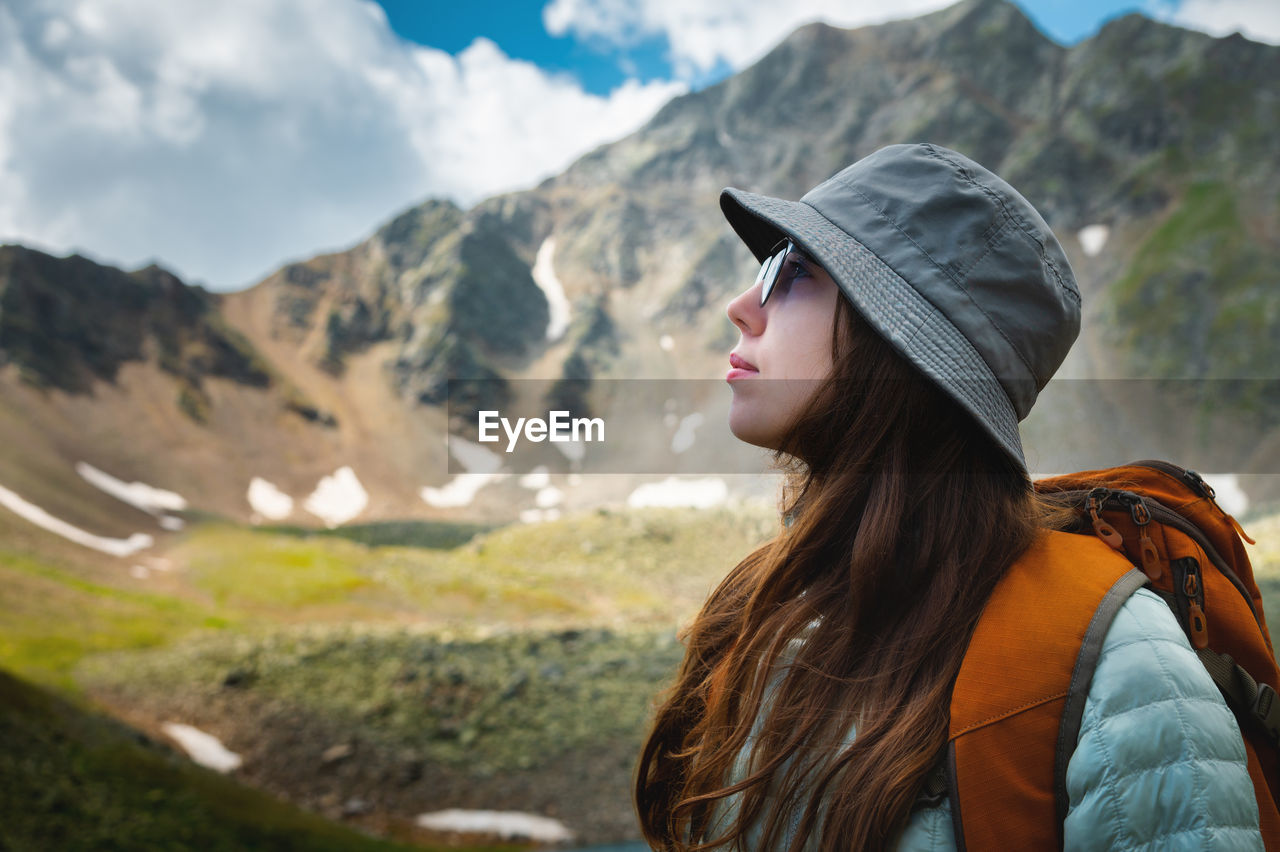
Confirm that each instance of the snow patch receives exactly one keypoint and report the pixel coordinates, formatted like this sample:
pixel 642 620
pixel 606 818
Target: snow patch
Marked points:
pixel 145 497
pixel 684 437
pixel 156 563
pixel 459 491
pixel 1093 238
pixel 204 749
pixel 666 343
pixel 269 501
pixel 544 275
pixel 1227 492
pixel 338 498
pixel 509 825
pixel 534 516
pixel 148 498
pixel 574 451
pixel 670 417
pixel 673 491
pixel 41 518
pixel 473 457
pixel 482 465
pixel 535 479
pixel 548 497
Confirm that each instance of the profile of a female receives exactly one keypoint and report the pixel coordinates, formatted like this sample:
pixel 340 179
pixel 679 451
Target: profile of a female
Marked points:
pixel 907 313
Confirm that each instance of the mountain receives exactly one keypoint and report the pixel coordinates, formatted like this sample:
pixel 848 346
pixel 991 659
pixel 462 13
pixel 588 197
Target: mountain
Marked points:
pixel 130 402
pixel 1140 125
pixel 1146 147
pixel 68 323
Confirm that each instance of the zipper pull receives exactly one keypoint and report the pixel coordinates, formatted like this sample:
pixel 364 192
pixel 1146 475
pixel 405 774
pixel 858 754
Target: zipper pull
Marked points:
pixel 1195 614
pixel 1150 556
pixel 1206 490
pixel 1101 528
pixel 1146 547
pixel 1199 629
pixel 1196 481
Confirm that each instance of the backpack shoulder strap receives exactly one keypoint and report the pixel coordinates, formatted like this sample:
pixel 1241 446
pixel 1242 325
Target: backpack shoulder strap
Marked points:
pixel 1251 698
pixel 1019 696
pixel 1082 677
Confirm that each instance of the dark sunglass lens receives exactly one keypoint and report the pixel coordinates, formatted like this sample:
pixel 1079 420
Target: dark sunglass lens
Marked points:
pixel 770 268
pixel 768 278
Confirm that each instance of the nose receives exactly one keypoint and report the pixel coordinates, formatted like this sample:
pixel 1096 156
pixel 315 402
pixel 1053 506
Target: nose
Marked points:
pixel 745 312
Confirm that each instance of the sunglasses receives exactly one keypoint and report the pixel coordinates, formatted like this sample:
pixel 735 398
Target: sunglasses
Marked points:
pixel 771 269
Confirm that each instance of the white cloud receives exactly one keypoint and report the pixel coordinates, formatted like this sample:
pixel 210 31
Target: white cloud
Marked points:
pixel 226 138
pixel 1258 20
pixel 703 34
pixel 495 119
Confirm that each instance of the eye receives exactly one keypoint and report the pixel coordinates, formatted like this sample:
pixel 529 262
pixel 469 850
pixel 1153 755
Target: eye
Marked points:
pixel 793 269
pixel 800 266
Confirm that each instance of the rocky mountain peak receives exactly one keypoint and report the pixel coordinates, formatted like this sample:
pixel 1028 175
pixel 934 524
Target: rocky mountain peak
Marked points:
pixel 67 322
pixel 1155 140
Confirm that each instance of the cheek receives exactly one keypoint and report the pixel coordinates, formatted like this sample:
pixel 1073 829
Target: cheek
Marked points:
pixel 818 361
pixel 813 346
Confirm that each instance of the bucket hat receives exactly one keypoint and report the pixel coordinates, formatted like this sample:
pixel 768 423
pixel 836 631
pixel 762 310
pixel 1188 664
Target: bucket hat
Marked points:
pixel 944 259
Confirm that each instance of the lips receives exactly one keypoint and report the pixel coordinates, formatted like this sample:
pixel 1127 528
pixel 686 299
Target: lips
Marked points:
pixel 740 368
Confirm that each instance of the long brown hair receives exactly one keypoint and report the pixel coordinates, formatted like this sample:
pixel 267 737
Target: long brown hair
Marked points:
pixel 905 515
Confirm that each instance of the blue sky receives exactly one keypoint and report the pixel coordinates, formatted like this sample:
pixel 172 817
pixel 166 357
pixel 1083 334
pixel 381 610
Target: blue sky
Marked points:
pixel 224 139
pixel 518 28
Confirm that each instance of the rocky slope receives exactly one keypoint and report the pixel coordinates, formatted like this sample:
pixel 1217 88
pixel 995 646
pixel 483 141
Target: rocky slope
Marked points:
pixel 1146 147
pixel 68 323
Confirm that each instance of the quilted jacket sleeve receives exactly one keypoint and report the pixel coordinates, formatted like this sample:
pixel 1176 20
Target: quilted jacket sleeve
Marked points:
pixel 1159 763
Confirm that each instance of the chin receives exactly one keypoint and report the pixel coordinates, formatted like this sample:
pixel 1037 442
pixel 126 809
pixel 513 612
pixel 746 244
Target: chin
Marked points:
pixel 754 430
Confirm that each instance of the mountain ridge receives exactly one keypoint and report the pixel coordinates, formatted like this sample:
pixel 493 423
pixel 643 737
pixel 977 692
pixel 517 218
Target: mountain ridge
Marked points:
pixel 1115 132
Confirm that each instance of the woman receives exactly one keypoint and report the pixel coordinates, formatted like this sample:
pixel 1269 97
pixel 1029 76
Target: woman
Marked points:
pixel 908 311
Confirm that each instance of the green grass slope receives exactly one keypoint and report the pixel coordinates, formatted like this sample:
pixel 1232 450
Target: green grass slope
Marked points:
pixel 459 666
pixel 73 780
pixel 53 616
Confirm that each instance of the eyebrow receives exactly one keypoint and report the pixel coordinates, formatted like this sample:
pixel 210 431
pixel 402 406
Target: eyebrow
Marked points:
pixel 797 253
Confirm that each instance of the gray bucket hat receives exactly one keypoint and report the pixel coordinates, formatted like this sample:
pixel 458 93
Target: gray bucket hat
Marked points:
pixel 947 261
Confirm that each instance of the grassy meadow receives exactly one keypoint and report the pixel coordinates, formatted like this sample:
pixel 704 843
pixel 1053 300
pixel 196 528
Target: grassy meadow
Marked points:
pixel 364 674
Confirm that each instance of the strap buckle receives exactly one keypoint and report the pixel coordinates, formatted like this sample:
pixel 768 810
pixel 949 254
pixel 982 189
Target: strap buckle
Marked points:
pixel 1267 711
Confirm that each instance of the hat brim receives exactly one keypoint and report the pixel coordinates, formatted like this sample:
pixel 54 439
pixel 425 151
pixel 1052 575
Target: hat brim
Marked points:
pixel 911 324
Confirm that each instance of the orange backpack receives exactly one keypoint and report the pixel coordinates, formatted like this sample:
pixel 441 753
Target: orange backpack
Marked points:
pixel 1017 704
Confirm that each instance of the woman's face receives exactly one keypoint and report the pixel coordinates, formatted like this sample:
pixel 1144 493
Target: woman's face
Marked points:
pixel 784 351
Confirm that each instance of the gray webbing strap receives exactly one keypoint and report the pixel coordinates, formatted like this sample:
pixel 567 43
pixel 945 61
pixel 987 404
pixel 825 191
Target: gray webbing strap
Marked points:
pixel 935 787
pixel 953 793
pixel 1081 677
pixel 1245 694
